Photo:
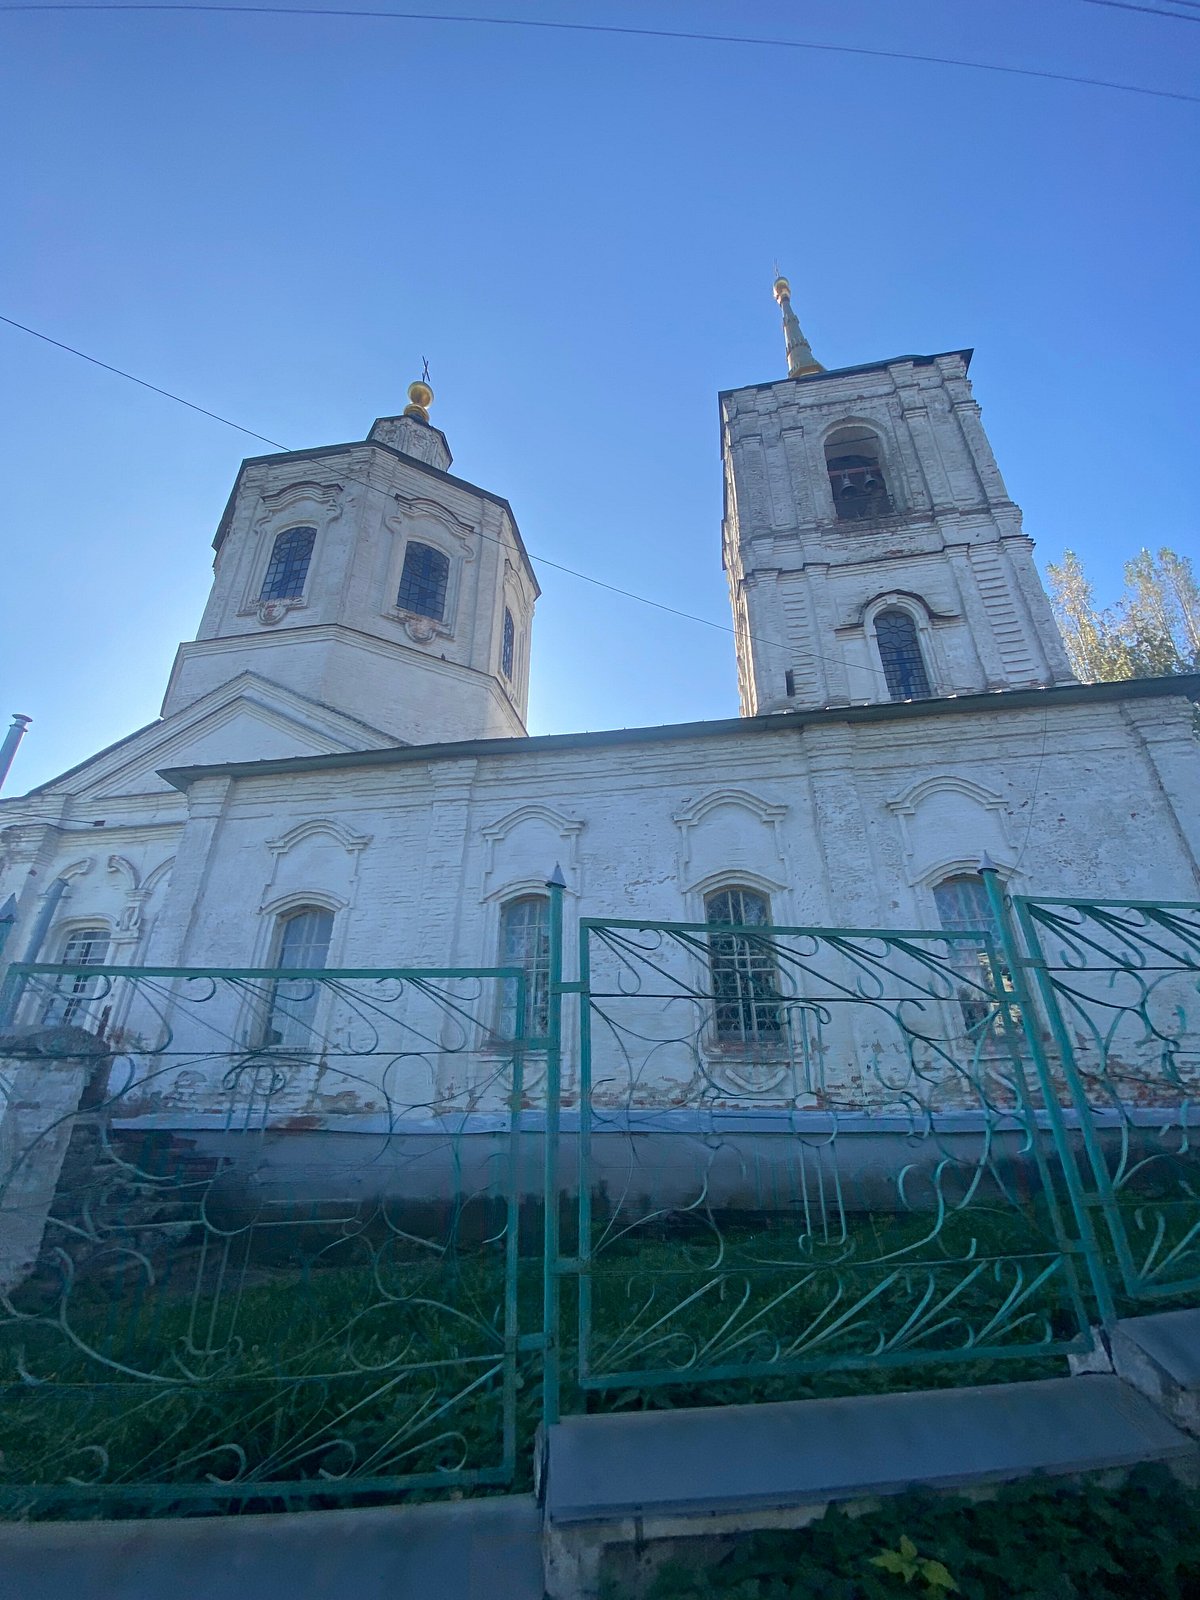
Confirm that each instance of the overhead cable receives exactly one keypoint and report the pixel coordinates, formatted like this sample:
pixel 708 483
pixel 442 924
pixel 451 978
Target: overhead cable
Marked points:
pixel 600 28
pixel 584 577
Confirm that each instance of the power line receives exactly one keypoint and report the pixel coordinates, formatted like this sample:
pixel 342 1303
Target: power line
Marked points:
pixel 608 28
pixel 1150 11
pixel 585 577
pixel 191 405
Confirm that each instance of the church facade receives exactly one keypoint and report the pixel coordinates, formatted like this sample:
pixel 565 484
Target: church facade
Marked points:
pixel 341 775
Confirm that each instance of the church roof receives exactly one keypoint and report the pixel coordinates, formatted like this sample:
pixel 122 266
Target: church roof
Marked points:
pixel 1063 695
pixel 849 372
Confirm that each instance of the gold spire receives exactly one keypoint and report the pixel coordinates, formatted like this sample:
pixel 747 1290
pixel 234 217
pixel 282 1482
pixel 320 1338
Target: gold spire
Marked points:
pixel 420 398
pixel 800 358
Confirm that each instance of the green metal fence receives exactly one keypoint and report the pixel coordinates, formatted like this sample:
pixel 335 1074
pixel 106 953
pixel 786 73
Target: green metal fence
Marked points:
pixel 248 1256
pixel 259 1229
pixel 807 1149
pixel 1114 1027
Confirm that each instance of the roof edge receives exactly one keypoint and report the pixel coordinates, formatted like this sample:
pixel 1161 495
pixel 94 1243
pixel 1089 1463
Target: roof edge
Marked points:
pixel 849 372
pixel 1185 686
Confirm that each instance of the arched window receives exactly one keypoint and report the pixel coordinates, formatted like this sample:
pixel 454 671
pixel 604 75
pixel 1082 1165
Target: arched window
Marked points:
pixel 525 943
pixel 301 942
pixel 507 644
pixel 745 980
pixel 900 653
pixel 962 906
pixel 423 581
pixel 83 947
pixel 288 566
pixel 860 492
pixel 962 903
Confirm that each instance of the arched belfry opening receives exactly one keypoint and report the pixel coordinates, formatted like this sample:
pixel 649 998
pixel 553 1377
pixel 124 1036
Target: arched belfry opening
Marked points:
pixel 853 459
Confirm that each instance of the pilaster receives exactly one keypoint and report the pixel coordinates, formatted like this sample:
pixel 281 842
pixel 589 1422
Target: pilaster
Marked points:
pixel 169 942
pixel 1164 730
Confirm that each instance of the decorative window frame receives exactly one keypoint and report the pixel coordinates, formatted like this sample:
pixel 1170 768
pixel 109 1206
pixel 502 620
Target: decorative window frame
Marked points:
pixel 490 1043
pixel 769 813
pixel 969 867
pixel 567 828
pixel 62 932
pixel 931 655
pixel 715 1049
pixel 697 893
pixel 255 1010
pixel 892 479
pixel 57 939
pixel 905 806
pixel 130 924
pixel 960 867
pixel 301 504
pixel 514 600
pixel 420 521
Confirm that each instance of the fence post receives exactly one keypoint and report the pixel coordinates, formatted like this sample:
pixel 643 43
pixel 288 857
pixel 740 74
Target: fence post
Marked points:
pixel 556 884
pixel 1017 968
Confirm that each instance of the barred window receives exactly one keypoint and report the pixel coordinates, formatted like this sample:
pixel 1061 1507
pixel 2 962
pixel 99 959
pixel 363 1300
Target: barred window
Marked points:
pixel 288 567
pixel 746 1001
pixel 507 644
pixel 423 581
pixel 900 653
pixel 301 941
pixel 525 943
pixel 84 947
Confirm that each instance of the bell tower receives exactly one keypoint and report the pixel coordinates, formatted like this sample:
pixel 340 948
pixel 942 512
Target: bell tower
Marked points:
pixel 871 547
pixel 369 579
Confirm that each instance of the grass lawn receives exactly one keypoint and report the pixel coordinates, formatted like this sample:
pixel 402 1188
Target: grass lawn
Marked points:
pixel 297 1364
pixel 1031 1542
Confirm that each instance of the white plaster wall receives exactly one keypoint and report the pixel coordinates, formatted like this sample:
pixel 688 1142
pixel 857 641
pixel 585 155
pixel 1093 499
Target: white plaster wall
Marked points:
pixel 840 824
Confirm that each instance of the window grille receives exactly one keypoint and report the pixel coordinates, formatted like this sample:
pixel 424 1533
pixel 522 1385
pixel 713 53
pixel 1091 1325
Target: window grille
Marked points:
pixel 525 943
pixel 747 1007
pixel 302 941
pixel 84 947
pixel 900 653
pixel 508 644
pixel 423 581
pixel 287 569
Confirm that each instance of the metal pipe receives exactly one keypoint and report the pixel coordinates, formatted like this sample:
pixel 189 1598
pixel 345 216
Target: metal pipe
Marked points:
pixel 45 917
pixel 11 740
pixel 14 982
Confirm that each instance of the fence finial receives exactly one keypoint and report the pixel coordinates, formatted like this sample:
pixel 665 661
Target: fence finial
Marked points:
pixel 556 879
pixel 986 864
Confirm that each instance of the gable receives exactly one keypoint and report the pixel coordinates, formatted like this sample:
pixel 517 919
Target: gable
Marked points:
pixel 249 719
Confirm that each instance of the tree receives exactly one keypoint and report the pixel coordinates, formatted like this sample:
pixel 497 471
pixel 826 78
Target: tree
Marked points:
pixel 1093 646
pixel 1153 631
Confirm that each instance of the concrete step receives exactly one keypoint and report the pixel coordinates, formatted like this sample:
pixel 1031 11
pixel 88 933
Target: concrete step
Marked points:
pixel 462 1550
pixel 623 1489
pixel 700 1461
pixel 1160 1356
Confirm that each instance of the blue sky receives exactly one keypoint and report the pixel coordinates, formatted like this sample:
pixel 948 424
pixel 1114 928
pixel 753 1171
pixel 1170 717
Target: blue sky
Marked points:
pixel 278 217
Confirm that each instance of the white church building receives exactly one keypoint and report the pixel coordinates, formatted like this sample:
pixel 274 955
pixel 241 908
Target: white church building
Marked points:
pixel 341 776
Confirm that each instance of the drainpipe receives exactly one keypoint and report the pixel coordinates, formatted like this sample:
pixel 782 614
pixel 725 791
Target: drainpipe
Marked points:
pixel 14 983
pixel 11 740
pixel 45 917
